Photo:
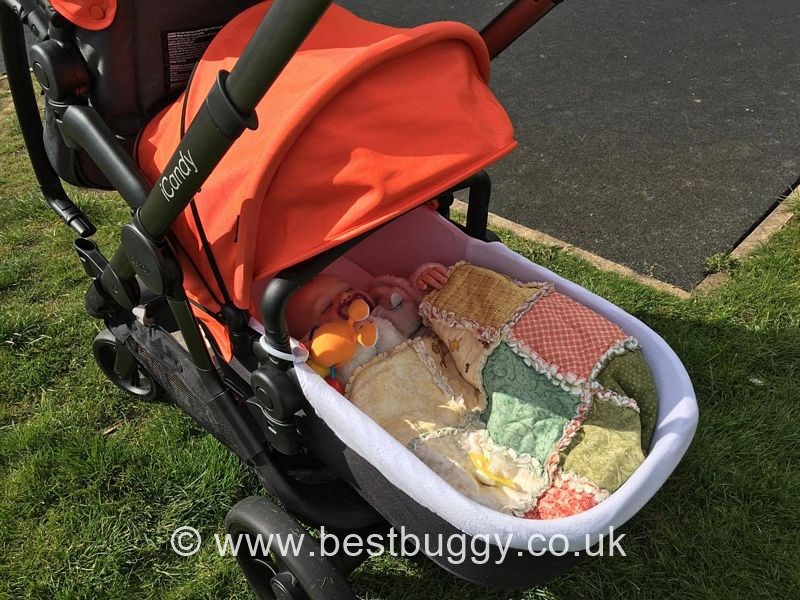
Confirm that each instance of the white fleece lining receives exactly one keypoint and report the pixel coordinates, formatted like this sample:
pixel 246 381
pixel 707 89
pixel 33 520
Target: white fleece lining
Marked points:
pixel 677 421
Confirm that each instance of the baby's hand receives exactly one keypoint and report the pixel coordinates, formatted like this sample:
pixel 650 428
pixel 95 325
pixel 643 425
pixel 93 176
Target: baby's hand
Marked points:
pixel 433 278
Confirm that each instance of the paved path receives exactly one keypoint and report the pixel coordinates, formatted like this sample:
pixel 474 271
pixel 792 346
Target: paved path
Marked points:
pixel 652 133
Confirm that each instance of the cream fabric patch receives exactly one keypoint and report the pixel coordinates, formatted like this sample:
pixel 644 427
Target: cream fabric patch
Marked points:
pixel 467 350
pixel 481 470
pixel 476 295
pixel 414 390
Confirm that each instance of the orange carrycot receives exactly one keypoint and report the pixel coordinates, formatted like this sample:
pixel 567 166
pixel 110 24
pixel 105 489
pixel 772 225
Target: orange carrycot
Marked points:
pixel 366 122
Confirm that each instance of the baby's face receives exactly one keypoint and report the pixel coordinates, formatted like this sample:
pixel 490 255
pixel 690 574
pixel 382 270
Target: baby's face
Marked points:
pixel 315 303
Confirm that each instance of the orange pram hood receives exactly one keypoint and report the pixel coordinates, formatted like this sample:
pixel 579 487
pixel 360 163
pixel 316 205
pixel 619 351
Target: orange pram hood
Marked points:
pixel 89 14
pixel 365 122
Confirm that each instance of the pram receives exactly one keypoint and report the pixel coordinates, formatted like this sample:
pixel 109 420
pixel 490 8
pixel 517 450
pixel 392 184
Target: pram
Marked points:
pixel 193 300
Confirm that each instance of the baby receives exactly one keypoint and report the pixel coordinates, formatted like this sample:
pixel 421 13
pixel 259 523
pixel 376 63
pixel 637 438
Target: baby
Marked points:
pixel 326 297
pixel 393 301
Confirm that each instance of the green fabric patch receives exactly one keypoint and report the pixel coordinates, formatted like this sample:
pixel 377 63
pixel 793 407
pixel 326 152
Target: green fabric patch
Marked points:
pixel 527 412
pixel 607 448
pixel 629 375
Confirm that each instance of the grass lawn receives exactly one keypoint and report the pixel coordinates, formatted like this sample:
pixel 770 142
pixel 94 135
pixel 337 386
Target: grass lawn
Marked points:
pixel 92 485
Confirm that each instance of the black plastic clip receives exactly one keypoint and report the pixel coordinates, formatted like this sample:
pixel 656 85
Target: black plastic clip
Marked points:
pixel 230 122
pixel 153 260
pixel 241 335
pixel 93 261
pixel 277 398
pixel 104 297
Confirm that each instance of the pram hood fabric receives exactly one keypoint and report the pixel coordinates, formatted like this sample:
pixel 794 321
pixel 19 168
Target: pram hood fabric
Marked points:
pixel 366 122
pixel 89 14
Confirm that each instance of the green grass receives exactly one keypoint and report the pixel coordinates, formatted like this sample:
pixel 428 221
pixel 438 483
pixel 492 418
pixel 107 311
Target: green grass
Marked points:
pixel 92 485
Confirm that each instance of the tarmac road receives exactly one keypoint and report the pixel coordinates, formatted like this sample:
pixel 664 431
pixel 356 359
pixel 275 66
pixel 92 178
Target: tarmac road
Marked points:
pixel 653 133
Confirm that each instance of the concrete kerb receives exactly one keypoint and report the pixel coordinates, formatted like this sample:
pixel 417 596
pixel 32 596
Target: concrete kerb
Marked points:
pixel 777 219
pixel 598 261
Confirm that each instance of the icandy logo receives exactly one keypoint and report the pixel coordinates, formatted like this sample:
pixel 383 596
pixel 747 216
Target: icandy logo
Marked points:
pixel 170 183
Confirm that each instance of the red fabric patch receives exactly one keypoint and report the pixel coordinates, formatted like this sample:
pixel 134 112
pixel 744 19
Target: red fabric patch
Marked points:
pixel 566 334
pixel 558 502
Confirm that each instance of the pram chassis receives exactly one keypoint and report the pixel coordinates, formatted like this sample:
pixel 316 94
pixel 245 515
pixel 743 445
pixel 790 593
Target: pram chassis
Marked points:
pixel 144 272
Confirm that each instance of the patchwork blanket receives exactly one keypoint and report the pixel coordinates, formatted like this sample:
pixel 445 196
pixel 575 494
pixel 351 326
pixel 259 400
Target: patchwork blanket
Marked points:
pixel 523 399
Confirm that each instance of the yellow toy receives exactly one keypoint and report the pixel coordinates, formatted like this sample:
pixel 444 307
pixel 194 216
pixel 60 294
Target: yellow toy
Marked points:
pixel 333 344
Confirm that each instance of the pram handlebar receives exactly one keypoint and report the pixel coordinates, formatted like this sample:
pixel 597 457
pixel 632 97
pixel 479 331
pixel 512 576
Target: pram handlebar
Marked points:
pixel 512 22
pixel 283 29
pixel 227 111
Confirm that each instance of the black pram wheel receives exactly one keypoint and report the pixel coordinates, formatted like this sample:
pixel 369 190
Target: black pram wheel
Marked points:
pixel 272 569
pixel 122 369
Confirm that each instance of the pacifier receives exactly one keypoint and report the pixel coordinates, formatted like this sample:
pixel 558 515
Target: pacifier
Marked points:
pixel 347 301
pixel 357 315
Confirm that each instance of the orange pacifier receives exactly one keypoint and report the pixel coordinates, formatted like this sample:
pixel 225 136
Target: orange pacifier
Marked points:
pixel 366 332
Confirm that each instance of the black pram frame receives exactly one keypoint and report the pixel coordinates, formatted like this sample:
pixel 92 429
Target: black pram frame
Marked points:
pixel 294 456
